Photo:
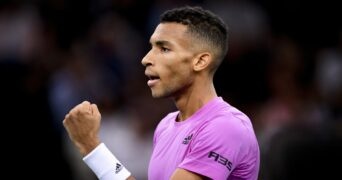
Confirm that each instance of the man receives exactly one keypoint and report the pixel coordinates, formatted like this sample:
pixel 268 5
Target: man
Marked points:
pixel 207 138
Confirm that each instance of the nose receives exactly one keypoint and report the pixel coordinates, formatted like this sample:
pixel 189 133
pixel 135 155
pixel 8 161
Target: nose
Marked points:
pixel 146 61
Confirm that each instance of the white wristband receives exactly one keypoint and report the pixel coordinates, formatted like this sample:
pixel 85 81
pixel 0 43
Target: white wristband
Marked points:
pixel 105 165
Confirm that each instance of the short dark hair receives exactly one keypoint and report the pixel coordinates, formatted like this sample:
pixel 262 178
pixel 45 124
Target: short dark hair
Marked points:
pixel 204 25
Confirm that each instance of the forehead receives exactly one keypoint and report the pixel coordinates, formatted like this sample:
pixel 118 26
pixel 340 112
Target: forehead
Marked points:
pixel 170 32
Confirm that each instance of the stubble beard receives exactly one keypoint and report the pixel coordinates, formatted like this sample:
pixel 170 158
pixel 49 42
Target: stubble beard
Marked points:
pixel 164 93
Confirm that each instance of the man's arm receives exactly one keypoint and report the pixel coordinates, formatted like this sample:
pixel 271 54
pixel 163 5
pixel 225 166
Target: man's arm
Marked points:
pixel 82 124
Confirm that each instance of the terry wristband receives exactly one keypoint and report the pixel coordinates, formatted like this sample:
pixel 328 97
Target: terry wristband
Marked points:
pixel 105 165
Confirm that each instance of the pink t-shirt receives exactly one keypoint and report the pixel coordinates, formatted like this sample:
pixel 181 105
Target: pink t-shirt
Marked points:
pixel 217 141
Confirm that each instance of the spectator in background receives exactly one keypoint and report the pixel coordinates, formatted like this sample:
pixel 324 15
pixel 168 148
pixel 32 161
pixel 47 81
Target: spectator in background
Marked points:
pixel 26 113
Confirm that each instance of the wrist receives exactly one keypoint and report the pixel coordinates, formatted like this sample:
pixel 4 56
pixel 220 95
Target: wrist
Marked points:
pixel 105 165
pixel 86 148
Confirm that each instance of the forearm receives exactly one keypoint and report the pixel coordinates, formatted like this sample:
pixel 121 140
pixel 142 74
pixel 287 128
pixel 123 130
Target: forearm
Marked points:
pixel 105 165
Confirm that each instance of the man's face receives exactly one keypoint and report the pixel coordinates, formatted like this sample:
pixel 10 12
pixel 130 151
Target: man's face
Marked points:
pixel 169 62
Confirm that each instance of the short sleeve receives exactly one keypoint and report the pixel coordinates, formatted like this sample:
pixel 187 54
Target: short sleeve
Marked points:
pixel 216 148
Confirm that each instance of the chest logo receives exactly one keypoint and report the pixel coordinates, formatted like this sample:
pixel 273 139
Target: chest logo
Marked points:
pixel 187 139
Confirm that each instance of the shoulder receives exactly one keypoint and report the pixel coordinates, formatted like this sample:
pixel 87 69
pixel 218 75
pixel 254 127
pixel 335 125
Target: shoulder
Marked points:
pixel 227 124
pixel 229 118
pixel 228 132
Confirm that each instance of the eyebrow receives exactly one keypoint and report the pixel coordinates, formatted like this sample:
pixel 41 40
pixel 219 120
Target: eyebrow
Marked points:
pixel 161 43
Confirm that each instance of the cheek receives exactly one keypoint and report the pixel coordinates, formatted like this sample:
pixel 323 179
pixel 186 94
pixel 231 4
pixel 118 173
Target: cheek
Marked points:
pixel 176 73
pixel 179 76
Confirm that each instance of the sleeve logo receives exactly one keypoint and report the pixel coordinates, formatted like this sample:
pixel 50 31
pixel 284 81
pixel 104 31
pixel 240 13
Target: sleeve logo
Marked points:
pixel 220 159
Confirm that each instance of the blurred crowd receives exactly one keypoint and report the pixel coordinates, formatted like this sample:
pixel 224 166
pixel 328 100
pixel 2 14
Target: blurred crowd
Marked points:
pixel 283 69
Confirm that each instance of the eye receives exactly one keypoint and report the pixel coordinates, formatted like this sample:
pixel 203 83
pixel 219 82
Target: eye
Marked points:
pixel 164 49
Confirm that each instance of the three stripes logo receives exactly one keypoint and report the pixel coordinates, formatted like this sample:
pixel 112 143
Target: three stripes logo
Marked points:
pixel 118 168
pixel 187 139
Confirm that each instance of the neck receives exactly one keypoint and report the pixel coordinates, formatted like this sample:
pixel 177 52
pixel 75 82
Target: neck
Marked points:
pixel 194 98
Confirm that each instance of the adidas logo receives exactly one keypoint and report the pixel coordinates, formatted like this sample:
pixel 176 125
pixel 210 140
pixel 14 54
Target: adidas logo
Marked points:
pixel 118 168
pixel 187 139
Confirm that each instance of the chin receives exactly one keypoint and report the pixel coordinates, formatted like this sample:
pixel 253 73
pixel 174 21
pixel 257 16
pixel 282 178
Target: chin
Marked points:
pixel 154 95
pixel 160 95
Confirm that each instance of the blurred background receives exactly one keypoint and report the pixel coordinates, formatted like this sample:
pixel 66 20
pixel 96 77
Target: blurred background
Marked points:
pixel 283 69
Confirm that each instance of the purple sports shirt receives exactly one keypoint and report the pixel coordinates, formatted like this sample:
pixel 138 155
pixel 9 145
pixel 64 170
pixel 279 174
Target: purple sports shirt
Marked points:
pixel 218 141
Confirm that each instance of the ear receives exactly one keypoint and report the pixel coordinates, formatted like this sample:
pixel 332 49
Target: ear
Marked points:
pixel 202 61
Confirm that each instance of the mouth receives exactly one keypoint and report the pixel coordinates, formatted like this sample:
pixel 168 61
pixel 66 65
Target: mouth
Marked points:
pixel 152 79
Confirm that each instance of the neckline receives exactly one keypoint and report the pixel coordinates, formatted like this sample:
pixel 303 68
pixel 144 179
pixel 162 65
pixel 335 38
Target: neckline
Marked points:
pixel 201 111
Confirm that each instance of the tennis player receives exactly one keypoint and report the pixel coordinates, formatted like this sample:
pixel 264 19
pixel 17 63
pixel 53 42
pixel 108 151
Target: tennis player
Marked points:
pixel 207 138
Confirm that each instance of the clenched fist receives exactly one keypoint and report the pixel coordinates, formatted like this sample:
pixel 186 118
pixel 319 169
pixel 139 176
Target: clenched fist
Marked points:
pixel 82 124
